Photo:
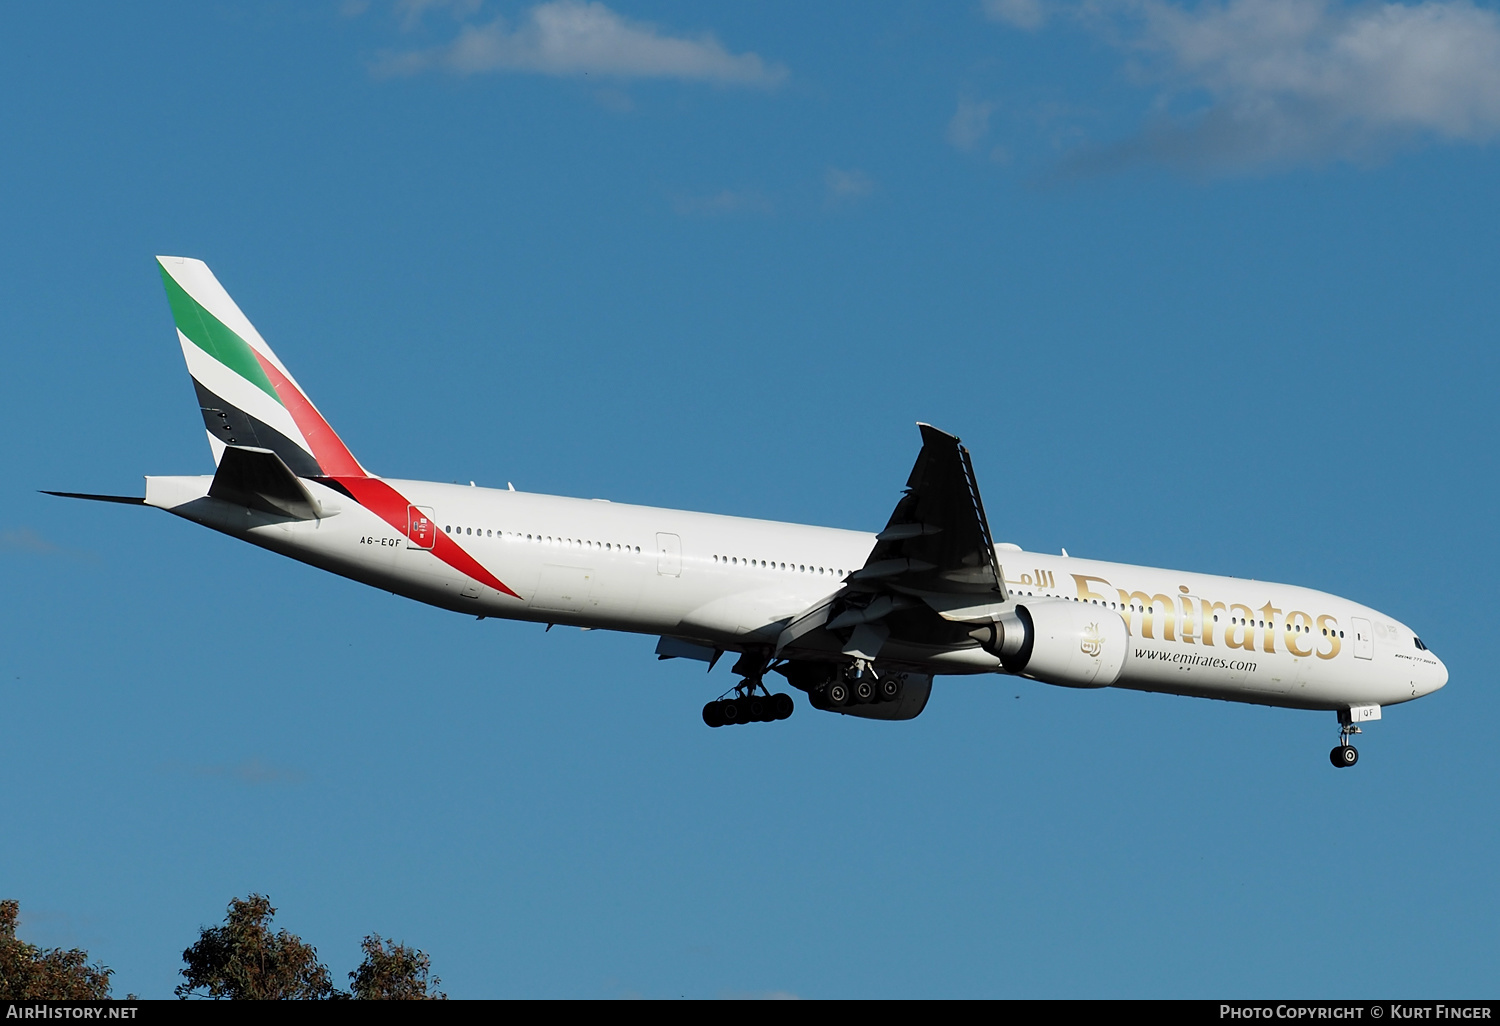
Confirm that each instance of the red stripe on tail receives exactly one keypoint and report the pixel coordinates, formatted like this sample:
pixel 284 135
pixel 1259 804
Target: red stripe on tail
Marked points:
pixel 327 448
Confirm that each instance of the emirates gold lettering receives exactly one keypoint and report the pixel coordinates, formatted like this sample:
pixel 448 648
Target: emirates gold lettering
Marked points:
pixel 1269 613
pixel 1147 613
pixel 1209 611
pixel 1330 628
pixel 1240 631
pixel 1299 626
pixel 1084 593
pixel 1191 620
pixel 1187 626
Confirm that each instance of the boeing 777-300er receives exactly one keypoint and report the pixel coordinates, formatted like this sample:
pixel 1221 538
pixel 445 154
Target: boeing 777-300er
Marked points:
pixel 861 623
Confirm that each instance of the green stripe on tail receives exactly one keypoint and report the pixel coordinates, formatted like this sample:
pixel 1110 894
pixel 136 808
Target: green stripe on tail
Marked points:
pixel 212 336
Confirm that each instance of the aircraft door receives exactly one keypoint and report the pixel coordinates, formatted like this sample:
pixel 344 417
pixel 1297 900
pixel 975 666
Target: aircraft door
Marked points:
pixel 668 555
pixel 421 532
pixel 1364 638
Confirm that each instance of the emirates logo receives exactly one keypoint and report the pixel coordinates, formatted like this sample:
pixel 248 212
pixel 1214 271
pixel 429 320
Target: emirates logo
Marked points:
pixel 1093 642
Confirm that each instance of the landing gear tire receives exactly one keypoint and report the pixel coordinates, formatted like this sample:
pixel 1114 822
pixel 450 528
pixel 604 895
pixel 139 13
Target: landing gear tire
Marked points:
pixel 864 691
pixel 1343 756
pixel 837 693
pixel 766 708
pixel 890 688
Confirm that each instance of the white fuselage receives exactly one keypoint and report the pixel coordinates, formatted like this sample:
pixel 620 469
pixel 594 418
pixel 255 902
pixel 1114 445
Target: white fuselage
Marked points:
pixel 730 583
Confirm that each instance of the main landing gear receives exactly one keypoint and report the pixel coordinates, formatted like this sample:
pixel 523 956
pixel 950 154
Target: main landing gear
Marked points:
pixel 858 684
pixel 1345 754
pixel 745 706
pixel 748 708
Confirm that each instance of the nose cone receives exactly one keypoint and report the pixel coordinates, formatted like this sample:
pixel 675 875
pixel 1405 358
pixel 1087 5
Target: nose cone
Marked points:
pixel 1435 676
pixel 1439 675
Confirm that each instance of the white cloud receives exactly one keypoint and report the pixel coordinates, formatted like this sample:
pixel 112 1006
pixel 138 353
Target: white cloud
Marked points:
pixel 616 100
pixel 725 201
pixel 574 37
pixel 970 123
pixel 411 11
pixel 1254 82
pixel 1023 14
pixel 848 185
pixel 24 539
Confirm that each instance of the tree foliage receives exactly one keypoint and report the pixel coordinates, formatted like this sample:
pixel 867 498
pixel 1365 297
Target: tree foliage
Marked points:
pixel 30 973
pixel 394 973
pixel 243 960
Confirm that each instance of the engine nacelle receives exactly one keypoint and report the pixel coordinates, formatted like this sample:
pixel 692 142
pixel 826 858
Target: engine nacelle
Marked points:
pixel 1073 644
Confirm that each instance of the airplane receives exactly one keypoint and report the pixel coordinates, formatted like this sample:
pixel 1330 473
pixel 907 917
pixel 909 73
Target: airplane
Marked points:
pixel 860 623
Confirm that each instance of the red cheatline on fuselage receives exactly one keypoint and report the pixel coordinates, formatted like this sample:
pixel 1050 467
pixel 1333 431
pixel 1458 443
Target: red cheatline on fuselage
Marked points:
pixel 391 506
pixel 338 463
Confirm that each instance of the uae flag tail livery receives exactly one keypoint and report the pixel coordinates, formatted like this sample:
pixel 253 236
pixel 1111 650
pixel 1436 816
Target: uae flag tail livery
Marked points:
pixel 248 397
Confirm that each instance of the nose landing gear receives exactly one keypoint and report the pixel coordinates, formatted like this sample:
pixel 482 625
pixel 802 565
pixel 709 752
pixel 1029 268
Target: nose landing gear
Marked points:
pixel 1345 754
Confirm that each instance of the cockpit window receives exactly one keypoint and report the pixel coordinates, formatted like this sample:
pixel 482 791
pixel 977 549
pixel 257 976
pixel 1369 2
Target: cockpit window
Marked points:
pixel 1419 643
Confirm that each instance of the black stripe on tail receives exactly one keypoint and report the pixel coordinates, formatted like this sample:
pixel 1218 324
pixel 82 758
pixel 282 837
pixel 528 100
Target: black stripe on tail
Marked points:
pixel 233 426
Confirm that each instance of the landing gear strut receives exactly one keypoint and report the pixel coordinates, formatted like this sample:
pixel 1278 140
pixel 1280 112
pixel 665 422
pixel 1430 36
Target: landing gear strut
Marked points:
pixel 1345 754
pixel 745 706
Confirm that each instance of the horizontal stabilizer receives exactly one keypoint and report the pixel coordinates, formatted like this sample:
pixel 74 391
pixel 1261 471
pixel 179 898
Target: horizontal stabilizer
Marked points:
pixel 128 499
pixel 260 479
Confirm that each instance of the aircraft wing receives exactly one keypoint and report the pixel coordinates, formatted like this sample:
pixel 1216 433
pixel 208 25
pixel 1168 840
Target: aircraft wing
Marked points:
pixel 933 567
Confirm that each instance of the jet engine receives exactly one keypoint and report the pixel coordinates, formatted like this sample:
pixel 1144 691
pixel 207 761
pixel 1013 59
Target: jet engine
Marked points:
pixel 1074 644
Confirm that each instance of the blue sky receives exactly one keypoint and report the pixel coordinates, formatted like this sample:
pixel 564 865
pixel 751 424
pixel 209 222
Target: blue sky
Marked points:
pixel 1201 286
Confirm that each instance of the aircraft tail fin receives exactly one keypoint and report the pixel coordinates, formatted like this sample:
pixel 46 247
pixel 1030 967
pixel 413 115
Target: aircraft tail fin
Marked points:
pixel 248 398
